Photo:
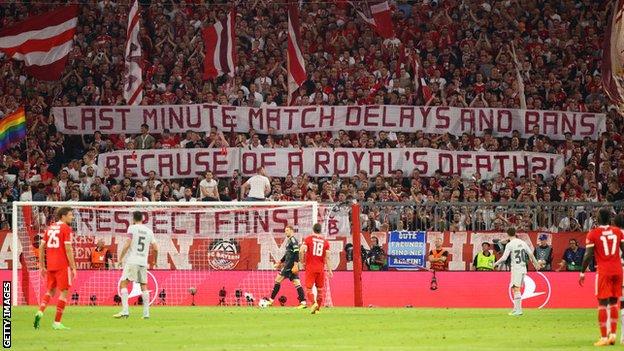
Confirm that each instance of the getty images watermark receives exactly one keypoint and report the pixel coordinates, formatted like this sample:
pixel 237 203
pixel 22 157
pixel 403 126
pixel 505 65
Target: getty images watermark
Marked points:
pixel 6 314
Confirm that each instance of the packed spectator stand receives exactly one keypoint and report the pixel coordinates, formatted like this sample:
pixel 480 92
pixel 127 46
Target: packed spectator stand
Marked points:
pixel 467 50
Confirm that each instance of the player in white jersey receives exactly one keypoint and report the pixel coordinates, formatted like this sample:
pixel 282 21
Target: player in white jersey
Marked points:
pixel 519 252
pixel 135 267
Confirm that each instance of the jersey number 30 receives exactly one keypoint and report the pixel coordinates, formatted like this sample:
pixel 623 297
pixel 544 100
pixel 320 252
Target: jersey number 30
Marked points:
pixel 609 242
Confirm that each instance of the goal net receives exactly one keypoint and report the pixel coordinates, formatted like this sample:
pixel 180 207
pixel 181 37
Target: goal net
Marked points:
pixel 210 253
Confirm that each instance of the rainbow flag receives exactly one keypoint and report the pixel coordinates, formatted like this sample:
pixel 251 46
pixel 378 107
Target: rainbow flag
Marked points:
pixel 12 128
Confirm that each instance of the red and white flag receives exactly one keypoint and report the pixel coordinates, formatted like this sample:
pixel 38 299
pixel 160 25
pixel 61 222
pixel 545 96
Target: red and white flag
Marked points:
pixel 220 47
pixel 296 64
pixel 613 56
pixel 43 42
pixel 133 87
pixel 419 79
pixel 376 13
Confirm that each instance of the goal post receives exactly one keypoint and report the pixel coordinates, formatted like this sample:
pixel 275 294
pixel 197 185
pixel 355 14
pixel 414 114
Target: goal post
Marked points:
pixel 204 248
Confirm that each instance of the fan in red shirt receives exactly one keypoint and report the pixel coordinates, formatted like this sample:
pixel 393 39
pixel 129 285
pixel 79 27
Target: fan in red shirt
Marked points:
pixel 605 242
pixel 314 249
pixel 56 259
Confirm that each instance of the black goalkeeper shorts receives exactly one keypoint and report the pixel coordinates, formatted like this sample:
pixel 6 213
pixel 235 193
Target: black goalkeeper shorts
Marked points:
pixel 288 274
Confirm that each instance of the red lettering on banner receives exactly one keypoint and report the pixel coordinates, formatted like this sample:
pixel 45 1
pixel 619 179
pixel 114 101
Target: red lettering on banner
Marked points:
pixel 531 119
pixel 568 122
pixel 377 159
pixel 329 117
pixel 258 220
pixel 321 159
pixel 290 112
pixel 144 164
pixel 421 166
pixel 461 165
pixel 112 164
pixel 88 116
pixel 504 116
pixel 283 220
pixel 228 121
pixel 245 159
pixel 538 164
pixel 444 121
pixel 445 159
pixel 211 114
pixel 123 112
pixel 304 112
pixel 550 120
pixel 86 216
pixel 256 113
pixel 406 114
pixel 220 219
pixel 486 119
pixel 106 118
pixel 384 115
pixel 181 161
pixel 466 117
pixel 518 166
pixel 241 222
pixel 273 118
pixel 483 162
pixel 267 159
pixel 173 117
pixel 295 163
pixel 165 166
pixel 218 160
pixel 157 220
pixel 119 219
pixel 102 219
pixel 66 124
pixel 424 111
pixel 128 164
pixel 591 124
pixel 348 120
pixel 341 163
pixel 174 228
pixel 197 123
pixel 358 156
pixel 197 222
pixel 501 163
pixel 370 114
pixel 149 115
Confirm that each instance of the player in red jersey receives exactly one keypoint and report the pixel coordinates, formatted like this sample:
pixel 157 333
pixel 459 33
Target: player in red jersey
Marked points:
pixel 605 243
pixel 314 250
pixel 57 262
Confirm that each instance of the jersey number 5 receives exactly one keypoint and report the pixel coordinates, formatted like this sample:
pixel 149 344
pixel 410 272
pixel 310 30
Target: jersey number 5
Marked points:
pixel 609 248
pixel 317 249
pixel 53 240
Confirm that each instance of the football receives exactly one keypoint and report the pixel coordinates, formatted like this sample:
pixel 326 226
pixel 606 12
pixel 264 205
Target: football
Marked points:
pixel 264 303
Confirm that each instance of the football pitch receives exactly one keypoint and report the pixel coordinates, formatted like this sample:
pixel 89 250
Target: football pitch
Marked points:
pixel 282 328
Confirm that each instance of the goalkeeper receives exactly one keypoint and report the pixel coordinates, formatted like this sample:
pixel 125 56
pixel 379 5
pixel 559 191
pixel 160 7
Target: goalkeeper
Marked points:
pixel 289 265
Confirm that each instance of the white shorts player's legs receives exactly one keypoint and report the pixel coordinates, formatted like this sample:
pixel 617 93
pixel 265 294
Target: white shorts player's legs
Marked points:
pixel 124 301
pixel 146 301
pixel 517 302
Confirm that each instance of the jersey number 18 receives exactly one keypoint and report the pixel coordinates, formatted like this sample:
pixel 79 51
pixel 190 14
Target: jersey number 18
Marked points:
pixel 317 249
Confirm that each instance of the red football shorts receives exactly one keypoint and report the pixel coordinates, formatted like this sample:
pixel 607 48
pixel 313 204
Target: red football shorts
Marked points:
pixel 608 286
pixel 314 277
pixel 59 279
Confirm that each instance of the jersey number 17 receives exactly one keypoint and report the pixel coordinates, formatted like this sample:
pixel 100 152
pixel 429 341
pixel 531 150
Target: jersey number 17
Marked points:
pixel 609 242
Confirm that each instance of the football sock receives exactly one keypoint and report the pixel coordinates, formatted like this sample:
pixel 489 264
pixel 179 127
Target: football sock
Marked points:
pixel 124 301
pixel 320 293
pixel 276 289
pixel 517 301
pixel 300 294
pixel 146 302
pixel 60 307
pixel 309 295
pixel 44 302
pixel 613 318
pixel 602 320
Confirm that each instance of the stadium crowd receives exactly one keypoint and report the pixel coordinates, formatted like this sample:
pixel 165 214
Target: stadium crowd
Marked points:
pixel 469 52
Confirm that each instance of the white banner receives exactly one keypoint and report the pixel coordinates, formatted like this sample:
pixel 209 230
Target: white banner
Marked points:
pixel 190 163
pixel 306 119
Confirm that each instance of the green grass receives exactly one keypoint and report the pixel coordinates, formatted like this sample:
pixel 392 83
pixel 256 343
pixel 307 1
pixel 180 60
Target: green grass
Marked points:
pixel 229 328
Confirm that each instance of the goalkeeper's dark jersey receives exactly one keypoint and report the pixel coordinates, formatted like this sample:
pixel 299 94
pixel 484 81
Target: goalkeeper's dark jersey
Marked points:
pixel 292 253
